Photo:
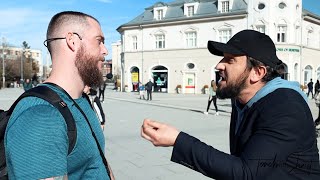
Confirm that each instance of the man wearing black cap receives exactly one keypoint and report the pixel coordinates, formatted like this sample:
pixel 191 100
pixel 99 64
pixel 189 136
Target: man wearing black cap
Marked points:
pixel 272 134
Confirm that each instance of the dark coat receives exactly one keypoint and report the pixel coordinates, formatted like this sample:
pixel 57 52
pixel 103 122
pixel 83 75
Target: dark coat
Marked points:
pixel 276 141
pixel 103 86
pixel 149 86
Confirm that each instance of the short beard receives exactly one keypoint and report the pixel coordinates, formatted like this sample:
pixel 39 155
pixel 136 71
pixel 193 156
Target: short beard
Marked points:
pixel 233 90
pixel 88 69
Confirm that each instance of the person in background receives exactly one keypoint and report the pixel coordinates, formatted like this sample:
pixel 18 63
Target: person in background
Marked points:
pixel 148 87
pixel 102 88
pixel 316 88
pixel 212 97
pixel 141 90
pixel 272 133
pixel 310 88
pixel 96 104
pixel 27 84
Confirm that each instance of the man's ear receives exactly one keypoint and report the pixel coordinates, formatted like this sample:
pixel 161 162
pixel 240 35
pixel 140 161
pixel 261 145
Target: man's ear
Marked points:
pixel 257 73
pixel 70 39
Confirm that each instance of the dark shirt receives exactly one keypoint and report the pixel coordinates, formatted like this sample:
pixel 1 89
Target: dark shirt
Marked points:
pixel 149 86
pixel 310 85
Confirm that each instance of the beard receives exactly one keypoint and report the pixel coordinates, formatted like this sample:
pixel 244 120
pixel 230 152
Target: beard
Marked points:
pixel 88 69
pixel 233 89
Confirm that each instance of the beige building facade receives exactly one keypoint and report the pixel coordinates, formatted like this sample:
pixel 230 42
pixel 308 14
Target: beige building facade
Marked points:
pixel 167 43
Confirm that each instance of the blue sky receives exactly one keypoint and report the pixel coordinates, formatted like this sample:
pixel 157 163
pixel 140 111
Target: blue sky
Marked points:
pixel 23 20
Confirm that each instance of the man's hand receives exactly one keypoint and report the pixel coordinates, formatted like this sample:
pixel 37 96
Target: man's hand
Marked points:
pixel 159 134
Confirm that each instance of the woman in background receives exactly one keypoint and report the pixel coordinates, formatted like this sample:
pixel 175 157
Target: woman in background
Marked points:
pixel 212 97
pixel 96 104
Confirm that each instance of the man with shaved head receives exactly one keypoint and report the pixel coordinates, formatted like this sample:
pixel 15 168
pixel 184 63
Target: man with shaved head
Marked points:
pixel 36 139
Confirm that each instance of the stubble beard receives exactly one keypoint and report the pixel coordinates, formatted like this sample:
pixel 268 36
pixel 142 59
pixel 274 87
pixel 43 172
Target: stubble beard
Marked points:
pixel 88 69
pixel 233 89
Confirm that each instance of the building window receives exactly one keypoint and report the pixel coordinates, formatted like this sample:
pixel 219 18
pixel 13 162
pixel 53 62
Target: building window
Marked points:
pixel 159 14
pixel 296 72
pixel 224 35
pixel 261 6
pixel 281 34
pixel 191 39
pixel 225 6
pixel 309 35
pixel 261 28
pixel 318 73
pixel 282 5
pixel 190 11
pixel 160 41
pixel 307 74
pixel 190 66
pixel 134 42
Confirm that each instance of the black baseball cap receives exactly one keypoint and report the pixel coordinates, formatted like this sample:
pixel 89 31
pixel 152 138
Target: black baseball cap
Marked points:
pixel 250 43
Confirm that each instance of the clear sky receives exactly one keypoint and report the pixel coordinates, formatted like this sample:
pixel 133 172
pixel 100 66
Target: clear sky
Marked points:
pixel 23 20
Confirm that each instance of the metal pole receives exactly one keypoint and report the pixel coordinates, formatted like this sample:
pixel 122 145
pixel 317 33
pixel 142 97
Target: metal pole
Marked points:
pixel 142 54
pixel 22 54
pixel 3 67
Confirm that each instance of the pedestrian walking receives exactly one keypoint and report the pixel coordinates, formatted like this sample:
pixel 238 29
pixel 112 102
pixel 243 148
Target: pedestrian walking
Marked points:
pixel 102 88
pixel 96 104
pixel 148 87
pixel 316 88
pixel 212 98
pixel 141 91
pixel 272 134
pixel 310 88
pixel 36 140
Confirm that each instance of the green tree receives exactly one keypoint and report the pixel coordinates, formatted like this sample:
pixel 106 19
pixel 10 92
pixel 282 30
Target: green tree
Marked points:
pixel 25 45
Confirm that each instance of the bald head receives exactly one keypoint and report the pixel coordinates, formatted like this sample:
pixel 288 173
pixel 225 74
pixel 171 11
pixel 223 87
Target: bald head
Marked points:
pixel 64 22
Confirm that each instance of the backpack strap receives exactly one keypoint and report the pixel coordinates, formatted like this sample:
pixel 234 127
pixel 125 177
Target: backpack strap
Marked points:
pixel 55 100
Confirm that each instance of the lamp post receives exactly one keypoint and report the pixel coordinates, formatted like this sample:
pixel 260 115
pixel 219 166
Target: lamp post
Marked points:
pixel 3 67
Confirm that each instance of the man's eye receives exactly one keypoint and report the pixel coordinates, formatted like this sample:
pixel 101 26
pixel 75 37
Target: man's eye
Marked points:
pixel 101 41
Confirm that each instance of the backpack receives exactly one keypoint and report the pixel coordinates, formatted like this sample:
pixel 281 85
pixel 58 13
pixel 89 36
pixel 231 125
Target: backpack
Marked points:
pixel 54 99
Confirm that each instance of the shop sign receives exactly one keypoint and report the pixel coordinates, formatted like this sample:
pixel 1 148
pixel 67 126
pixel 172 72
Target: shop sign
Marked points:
pixel 288 50
pixel 135 77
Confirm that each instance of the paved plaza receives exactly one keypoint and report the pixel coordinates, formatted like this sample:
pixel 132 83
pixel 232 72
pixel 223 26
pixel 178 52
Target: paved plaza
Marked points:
pixel 132 157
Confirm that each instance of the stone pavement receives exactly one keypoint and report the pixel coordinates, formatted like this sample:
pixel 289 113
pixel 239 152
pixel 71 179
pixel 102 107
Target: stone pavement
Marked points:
pixel 194 102
pixel 133 158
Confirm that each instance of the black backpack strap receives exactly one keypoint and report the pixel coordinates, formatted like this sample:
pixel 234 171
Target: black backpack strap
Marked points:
pixel 104 160
pixel 87 98
pixel 54 99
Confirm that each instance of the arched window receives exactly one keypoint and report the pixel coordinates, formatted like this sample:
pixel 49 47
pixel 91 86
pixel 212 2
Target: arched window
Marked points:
pixel 307 74
pixel 318 73
pixel 296 72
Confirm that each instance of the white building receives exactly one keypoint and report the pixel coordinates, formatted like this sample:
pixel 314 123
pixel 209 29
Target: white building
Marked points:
pixel 168 41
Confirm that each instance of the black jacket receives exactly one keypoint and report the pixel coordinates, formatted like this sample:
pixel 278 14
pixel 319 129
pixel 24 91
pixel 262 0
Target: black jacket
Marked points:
pixel 149 86
pixel 276 140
